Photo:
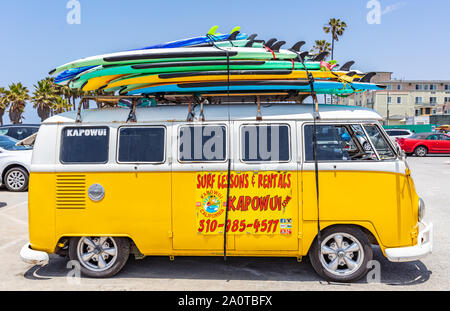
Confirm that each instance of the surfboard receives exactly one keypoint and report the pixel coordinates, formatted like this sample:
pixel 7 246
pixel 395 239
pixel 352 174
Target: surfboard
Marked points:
pixel 220 75
pixel 169 67
pixel 177 54
pixel 251 85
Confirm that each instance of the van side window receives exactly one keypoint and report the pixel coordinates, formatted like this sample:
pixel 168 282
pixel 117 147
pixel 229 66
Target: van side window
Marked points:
pixel 84 145
pixel 202 143
pixel 142 144
pixel 341 142
pixel 265 143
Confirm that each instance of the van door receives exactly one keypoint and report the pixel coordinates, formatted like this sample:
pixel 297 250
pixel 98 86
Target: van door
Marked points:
pixel 355 185
pixel 264 200
pixel 199 175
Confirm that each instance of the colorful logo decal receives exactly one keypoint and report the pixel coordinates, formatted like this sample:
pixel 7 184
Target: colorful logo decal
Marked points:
pixel 211 203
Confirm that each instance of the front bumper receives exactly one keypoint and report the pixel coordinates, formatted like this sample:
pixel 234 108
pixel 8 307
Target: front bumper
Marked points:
pixel 33 257
pixel 423 248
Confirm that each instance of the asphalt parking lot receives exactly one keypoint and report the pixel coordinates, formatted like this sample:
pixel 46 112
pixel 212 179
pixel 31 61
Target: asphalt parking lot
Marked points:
pixel 432 178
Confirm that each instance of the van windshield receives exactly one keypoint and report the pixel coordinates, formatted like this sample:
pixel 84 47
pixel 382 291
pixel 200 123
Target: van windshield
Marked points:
pixel 379 142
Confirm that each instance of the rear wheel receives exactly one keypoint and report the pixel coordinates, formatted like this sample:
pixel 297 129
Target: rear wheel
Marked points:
pixel 99 257
pixel 421 151
pixel 16 179
pixel 343 254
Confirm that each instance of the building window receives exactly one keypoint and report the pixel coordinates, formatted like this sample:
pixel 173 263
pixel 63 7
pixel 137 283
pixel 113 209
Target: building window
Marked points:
pixel 389 87
pixel 389 100
pixel 417 112
pixel 427 111
pixel 399 87
pixel 433 111
pixel 399 100
pixel 447 87
pixel 433 87
pixel 426 87
pixel 433 100
pixel 418 100
pixel 419 87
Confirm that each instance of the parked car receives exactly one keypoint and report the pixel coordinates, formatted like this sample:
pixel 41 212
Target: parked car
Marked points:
pixel 422 144
pixel 399 133
pixel 19 131
pixel 445 129
pixel 14 164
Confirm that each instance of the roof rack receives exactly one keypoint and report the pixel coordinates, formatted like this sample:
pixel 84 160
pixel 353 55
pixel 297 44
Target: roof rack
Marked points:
pixel 193 101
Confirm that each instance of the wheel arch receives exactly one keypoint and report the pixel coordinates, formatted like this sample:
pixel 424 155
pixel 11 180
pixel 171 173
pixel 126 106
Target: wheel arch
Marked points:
pixel 366 228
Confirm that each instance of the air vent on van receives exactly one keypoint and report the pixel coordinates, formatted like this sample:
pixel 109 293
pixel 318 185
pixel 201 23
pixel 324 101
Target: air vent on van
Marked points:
pixel 70 191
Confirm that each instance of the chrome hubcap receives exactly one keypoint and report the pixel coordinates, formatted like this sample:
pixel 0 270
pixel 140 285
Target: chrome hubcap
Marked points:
pixel 421 151
pixel 15 180
pixel 341 254
pixel 97 253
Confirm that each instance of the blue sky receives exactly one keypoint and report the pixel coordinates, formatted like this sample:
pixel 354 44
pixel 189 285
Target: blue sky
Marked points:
pixel 412 39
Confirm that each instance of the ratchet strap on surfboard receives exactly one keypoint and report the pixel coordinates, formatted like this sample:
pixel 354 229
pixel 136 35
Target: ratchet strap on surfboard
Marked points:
pixel 229 157
pixel 316 164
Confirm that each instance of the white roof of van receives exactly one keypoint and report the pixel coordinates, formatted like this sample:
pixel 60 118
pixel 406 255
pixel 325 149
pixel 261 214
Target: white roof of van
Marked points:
pixel 219 113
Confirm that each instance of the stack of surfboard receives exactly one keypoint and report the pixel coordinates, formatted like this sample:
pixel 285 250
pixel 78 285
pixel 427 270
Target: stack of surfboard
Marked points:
pixel 233 63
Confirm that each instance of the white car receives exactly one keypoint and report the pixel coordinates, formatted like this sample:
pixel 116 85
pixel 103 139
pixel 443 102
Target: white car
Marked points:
pixel 15 164
pixel 399 133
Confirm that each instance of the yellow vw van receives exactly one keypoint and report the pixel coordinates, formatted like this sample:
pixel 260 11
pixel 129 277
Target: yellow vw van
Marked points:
pixel 222 182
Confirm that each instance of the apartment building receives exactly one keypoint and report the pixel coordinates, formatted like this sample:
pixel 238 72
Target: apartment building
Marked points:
pixel 403 99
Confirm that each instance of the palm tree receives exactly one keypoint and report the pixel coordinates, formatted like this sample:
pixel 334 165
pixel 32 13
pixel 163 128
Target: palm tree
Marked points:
pixel 320 46
pixel 44 97
pixel 17 96
pixel 3 104
pixel 61 105
pixel 336 27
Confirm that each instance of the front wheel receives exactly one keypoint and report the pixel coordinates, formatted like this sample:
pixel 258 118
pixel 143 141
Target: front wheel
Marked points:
pixel 99 257
pixel 16 179
pixel 343 254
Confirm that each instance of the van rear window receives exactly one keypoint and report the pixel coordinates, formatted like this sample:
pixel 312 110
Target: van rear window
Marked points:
pixel 142 144
pixel 84 145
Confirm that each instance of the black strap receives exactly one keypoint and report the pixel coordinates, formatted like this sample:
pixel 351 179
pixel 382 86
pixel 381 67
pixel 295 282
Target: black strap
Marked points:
pixel 229 158
pixel 316 164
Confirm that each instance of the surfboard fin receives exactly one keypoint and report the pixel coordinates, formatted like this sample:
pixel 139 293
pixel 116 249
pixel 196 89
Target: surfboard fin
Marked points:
pixel 212 30
pixel 237 28
pixel 233 35
pixel 347 66
pixel 297 46
pixel 270 42
pixel 252 36
pixel 249 44
pixel 367 77
pixel 302 56
pixel 276 47
pixel 320 57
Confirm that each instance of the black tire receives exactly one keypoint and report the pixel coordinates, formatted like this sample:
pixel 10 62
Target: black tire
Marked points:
pixel 421 151
pixel 122 249
pixel 12 183
pixel 362 258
